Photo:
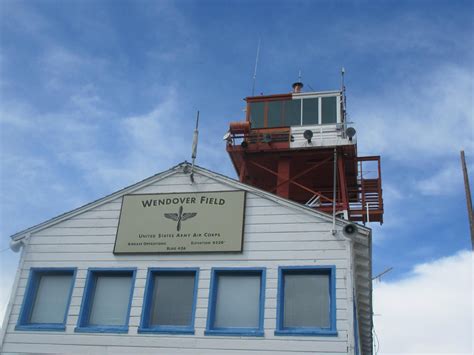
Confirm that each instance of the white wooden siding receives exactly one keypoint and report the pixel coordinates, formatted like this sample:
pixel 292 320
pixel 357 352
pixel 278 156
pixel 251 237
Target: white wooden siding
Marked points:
pixel 275 235
pixel 323 136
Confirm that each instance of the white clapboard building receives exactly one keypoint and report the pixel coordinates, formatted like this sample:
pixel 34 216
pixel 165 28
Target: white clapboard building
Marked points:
pixel 171 266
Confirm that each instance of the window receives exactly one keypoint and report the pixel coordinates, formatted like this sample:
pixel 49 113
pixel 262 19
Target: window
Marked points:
pixel 170 301
pixel 257 111
pixel 329 110
pixel 306 301
pixel 292 113
pixel 46 301
pixel 310 111
pixel 275 110
pixel 106 301
pixel 236 302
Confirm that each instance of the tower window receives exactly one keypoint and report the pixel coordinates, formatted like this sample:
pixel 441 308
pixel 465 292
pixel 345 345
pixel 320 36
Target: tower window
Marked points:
pixel 328 110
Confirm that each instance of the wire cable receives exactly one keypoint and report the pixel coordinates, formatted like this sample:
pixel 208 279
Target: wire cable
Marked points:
pixel 377 347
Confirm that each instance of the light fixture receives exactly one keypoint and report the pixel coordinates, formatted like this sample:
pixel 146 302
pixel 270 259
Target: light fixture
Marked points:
pixel 267 138
pixel 350 132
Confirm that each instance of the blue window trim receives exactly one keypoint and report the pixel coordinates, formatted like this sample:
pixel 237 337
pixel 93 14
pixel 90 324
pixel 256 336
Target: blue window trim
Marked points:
pixel 307 331
pixel 356 325
pixel 30 295
pixel 215 273
pixel 84 313
pixel 148 300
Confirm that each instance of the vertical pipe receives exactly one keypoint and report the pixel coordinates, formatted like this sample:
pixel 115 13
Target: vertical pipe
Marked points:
pixel 334 193
pixel 362 192
pixel 367 205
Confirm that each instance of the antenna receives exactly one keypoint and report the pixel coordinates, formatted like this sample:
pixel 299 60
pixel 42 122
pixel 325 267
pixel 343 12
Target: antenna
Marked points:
pixel 255 71
pixel 194 150
pixel 343 71
pixel 343 90
pixel 379 276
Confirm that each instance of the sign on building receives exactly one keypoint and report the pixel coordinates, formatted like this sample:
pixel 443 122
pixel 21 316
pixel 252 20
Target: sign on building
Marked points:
pixel 181 223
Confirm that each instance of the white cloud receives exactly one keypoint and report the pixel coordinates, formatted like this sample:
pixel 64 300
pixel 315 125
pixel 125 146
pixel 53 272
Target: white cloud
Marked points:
pixel 428 312
pixel 384 35
pixel 427 117
pixel 444 182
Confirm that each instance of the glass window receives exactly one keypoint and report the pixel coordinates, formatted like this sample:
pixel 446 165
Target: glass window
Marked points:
pixel 306 301
pixel 310 111
pixel 257 112
pixel 110 300
pixel 300 310
pixel 329 110
pixel 46 299
pixel 275 114
pixel 107 300
pixel 236 302
pixel 169 301
pixel 292 115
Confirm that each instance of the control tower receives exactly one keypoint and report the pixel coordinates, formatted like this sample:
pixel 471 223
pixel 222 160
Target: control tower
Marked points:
pixel 300 145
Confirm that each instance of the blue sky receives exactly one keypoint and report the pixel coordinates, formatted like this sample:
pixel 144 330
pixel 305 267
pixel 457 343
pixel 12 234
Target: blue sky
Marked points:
pixel 96 95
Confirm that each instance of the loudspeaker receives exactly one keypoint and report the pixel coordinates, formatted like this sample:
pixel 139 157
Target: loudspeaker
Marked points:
pixel 16 245
pixel 350 229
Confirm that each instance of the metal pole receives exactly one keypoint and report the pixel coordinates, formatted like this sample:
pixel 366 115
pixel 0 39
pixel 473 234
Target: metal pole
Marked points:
pixel 468 197
pixel 334 194
pixel 255 71
pixel 194 149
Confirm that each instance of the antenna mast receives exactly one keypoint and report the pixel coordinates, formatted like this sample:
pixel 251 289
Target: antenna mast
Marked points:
pixel 343 90
pixel 255 70
pixel 195 143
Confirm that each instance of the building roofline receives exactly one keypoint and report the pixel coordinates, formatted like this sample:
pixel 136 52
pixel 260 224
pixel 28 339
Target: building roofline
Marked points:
pixel 225 179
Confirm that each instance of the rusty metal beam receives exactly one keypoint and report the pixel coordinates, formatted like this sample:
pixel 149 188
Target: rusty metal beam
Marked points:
pixel 342 183
pixel 263 167
pixel 304 172
pixel 283 187
pixel 292 182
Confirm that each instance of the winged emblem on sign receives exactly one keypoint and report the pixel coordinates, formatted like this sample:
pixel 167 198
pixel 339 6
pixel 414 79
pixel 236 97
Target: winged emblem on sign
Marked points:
pixel 180 217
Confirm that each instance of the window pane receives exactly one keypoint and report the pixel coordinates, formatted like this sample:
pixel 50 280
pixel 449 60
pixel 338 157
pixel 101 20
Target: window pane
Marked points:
pixel 310 111
pixel 51 299
pixel 306 301
pixel 275 113
pixel 111 300
pixel 292 113
pixel 256 114
pixel 328 110
pixel 172 300
pixel 238 301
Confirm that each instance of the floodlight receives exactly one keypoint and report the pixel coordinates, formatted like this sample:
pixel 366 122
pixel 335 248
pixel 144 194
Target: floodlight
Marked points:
pixel 308 134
